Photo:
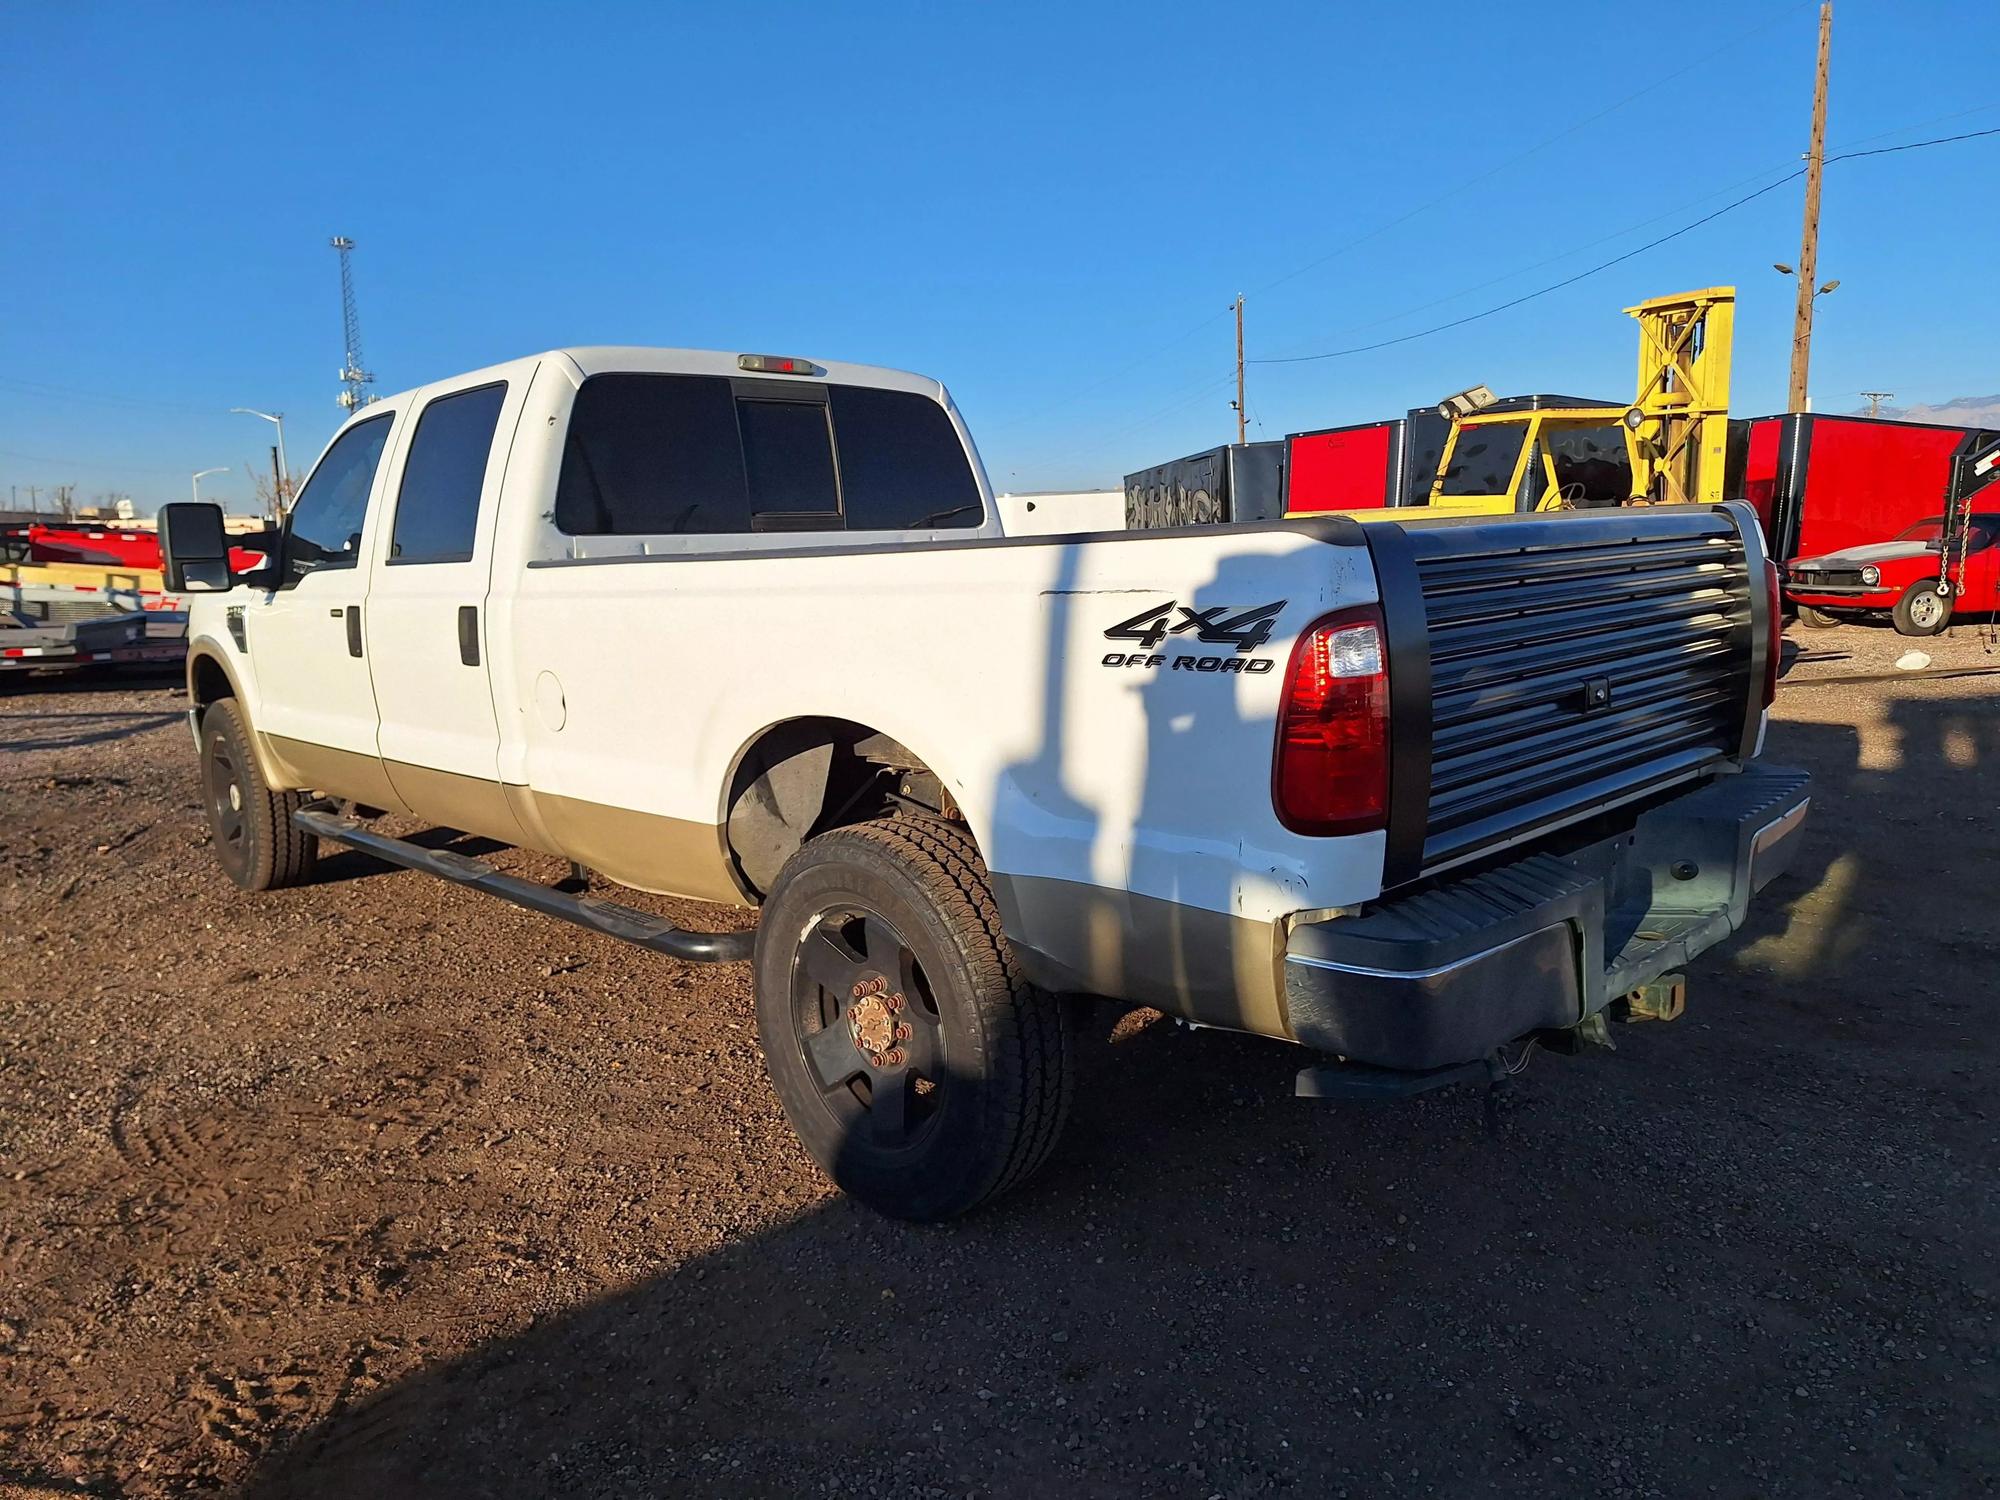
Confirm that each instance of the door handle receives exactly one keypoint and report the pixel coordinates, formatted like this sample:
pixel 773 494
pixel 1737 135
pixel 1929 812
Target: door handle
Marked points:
pixel 353 630
pixel 468 634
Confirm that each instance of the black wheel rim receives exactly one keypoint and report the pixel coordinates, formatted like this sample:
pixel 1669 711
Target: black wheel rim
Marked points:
pixel 223 789
pixel 866 1022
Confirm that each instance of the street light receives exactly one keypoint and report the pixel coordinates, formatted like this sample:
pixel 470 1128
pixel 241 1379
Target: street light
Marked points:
pixel 284 465
pixel 201 474
pixel 1784 270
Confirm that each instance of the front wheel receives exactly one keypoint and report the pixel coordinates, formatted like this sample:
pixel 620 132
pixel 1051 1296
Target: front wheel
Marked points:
pixel 1922 610
pixel 922 1072
pixel 256 842
pixel 1817 619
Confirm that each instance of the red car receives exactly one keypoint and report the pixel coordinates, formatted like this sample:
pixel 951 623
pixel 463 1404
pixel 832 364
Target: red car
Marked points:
pixel 1904 576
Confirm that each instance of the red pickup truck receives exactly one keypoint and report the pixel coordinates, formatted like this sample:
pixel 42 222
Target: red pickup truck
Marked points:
pixel 1905 576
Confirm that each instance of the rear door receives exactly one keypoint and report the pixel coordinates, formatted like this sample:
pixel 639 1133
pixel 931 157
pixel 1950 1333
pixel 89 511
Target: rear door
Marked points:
pixel 426 615
pixel 305 637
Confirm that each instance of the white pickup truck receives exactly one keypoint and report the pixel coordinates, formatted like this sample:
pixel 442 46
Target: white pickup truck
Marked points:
pixel 744 628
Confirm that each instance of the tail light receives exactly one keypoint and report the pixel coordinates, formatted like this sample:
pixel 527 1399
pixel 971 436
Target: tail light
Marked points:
pixel 1774 632
pixel 1332 769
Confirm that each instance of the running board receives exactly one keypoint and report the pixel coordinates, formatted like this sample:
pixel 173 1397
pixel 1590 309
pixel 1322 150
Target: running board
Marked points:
pixel 607 917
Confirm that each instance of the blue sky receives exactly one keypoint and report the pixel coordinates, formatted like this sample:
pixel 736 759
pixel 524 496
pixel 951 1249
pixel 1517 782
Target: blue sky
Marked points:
pixel 1048 207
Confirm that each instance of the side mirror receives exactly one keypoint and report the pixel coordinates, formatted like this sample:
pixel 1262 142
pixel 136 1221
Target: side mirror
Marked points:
pixel 194 549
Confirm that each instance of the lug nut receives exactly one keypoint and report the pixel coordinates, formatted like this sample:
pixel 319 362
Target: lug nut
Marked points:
pixel 895 1002
pixel 895 1057
pixel 874 1061
pixel 859 990
pixel 902 1032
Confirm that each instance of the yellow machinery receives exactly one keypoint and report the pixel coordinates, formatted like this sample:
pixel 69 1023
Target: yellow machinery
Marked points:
pixel 1548 453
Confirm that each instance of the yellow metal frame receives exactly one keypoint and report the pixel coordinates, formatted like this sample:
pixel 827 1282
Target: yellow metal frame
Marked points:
pixel 1684 355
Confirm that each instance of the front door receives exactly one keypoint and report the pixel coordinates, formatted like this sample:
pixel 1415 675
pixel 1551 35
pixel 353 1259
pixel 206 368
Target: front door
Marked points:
pixel 305 638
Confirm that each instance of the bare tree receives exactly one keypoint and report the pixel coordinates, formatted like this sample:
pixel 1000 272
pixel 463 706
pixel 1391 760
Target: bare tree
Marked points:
pixel 264 482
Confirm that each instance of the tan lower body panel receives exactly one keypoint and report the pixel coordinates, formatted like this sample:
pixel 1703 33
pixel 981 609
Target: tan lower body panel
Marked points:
pixel 466 803
pixel 669 856
pixel 338 773
pixel 1203 965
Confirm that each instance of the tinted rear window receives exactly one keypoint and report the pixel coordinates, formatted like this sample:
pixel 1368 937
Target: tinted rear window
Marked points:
pixel 648 454
pixel 788 455
pixel 667 454
pixel 902 467
pixel 437 506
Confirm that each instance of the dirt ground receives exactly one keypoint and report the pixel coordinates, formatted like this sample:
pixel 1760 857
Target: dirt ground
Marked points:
pixel 380 1188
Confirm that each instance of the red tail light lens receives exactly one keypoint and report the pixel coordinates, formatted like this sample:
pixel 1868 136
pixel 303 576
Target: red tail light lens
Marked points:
pixel 1774 632
pixel 1332 770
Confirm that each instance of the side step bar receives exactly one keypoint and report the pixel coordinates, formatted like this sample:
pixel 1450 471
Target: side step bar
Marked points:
pixel 607 917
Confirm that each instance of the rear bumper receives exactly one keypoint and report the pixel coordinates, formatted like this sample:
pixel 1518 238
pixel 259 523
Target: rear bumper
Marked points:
pixel 1448 974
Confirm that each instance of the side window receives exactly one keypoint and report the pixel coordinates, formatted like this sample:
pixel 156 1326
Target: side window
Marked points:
pixel 788 456
pixel 652 454
pixel 1482 461
pixel 324 527
pixel 902 466
pixel 1592 466
pixel 437 505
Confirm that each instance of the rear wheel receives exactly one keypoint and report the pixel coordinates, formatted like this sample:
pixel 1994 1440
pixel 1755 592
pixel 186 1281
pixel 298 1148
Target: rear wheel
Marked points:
pixel 922 1072
pixel 255 840
pixel 1923 609
pixel 1818 619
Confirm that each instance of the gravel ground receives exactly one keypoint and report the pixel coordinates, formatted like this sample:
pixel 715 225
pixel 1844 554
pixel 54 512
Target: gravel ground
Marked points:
pixel 379 1188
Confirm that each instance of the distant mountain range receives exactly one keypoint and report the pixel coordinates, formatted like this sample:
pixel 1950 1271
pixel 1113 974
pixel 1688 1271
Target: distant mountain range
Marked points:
pixel 1960 411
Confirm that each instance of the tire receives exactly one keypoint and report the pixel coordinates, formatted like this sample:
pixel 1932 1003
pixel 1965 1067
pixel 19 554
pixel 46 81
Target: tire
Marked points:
pixel 255 840
pixel 1922 610
pixel 945 1081
pixel 1818 619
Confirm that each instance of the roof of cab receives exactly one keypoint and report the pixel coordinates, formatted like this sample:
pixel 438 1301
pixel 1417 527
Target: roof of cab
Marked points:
pixel 601 359
pixel 605 359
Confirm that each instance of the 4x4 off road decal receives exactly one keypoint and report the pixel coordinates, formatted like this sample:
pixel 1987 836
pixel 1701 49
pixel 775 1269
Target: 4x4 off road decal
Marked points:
pixel 1218 625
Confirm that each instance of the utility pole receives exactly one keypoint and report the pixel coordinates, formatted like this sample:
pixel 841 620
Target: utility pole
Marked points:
pixel 1875 400
pixel 1239 369
pixel 35 498
pixel 1809 237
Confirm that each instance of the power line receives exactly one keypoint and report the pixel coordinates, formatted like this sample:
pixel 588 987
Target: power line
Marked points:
pixel 1515 160
pixel 85 463
pixel 42 388
pixel 1943 140
pixel 1606 265
pixel 1556 286
pixel 1404 218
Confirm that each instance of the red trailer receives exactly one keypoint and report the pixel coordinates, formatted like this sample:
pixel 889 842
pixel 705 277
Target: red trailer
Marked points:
pixel 1822 484
pixel 1364 466
pixel 136 548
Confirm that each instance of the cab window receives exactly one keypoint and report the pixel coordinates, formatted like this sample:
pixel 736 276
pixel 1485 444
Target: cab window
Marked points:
pixel 324 527
pixel 437 504
pixel 1482 460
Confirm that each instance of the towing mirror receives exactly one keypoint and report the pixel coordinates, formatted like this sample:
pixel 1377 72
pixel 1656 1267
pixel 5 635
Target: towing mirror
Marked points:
pixel 194 549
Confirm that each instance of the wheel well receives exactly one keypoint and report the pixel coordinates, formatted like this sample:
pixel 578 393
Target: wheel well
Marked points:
pixel 804 776
pixel 207 682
